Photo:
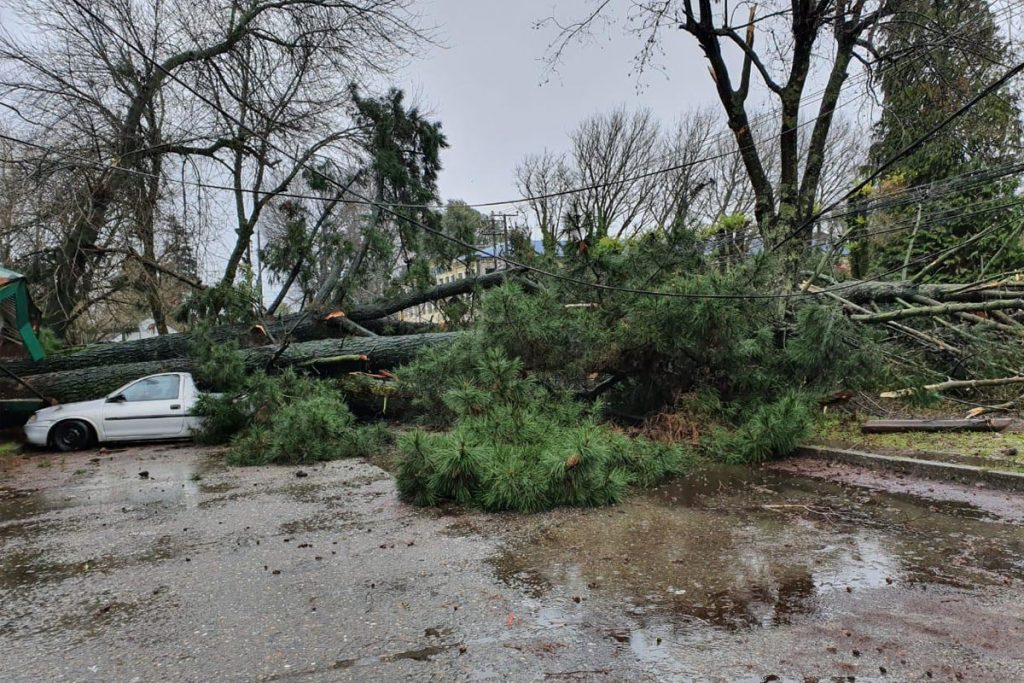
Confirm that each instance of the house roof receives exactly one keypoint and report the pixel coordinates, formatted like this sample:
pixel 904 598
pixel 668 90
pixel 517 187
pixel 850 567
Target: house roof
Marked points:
pixel 15 313
pixel 7 275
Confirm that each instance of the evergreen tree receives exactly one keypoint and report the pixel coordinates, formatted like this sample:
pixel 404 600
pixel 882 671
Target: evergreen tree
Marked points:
pixel 938 55
pixel 402 148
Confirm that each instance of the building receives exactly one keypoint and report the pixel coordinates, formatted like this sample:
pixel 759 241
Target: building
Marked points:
pixel 488 260
pixel 145 330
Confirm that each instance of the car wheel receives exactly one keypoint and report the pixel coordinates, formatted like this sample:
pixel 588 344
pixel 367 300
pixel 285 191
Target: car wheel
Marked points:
pixel 71 435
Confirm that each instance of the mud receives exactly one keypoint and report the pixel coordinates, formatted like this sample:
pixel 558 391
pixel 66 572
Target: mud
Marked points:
pixel 197 572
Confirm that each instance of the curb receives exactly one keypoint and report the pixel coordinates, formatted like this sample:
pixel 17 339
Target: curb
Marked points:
pixel 928 469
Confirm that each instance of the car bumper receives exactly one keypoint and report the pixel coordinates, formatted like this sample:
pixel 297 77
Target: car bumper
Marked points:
pixel 37 432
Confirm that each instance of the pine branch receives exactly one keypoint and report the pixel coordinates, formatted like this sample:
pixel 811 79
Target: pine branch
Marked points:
pixel 955 384
pixel 942 309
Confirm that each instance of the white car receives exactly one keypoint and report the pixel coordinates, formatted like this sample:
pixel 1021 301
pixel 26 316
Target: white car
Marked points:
pixel 151 408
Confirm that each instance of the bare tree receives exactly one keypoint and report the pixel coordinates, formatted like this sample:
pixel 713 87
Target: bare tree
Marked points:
pixel 793 35
pixel 680 197
pixel 540 179
pixel 115 87
pixel 610 155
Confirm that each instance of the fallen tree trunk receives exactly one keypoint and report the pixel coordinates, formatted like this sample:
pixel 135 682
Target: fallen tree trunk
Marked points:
pixel 358 353
pixel 887 292
pixel 300 327
pixel 443 291
pixel 901 426
pixel 1012 327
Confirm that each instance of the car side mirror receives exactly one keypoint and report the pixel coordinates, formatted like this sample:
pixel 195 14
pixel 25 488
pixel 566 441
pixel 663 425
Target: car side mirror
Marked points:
pixel 119 398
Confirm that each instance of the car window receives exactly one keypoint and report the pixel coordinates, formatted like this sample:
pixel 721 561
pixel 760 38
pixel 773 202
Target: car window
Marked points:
pixel 160 388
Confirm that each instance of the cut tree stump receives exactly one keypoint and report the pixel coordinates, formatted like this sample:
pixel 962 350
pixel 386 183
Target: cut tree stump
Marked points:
pixel 897 426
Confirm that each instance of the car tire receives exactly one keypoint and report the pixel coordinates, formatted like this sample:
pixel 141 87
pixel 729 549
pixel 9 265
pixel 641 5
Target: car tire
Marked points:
pixel 71 435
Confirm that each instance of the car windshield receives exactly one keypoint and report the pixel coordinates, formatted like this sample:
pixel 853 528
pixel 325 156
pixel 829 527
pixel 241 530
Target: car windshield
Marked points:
pixel 159 388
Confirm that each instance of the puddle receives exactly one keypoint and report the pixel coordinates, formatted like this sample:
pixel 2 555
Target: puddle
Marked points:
pixel 424 654
pixel 736 549
pixel 32 567
pixel 104 480
pixel 20 503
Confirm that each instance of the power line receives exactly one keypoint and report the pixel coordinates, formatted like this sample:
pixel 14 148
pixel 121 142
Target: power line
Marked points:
pixel 932 219
pixel 865 75
pixel 930 192
pixel 921 140
pixel 466 245
pixel 920 194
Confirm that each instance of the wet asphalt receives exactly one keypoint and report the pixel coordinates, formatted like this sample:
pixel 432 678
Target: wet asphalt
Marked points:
pixel 160 563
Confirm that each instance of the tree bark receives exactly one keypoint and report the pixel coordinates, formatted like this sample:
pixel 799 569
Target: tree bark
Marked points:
pixel 941 309
pixel 903 329
pixel 902 426
pixel 886 292
pixel 301 326
pixel 93 382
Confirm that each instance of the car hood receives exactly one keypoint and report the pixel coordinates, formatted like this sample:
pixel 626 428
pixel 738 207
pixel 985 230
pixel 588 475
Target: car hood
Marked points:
pixel 69 409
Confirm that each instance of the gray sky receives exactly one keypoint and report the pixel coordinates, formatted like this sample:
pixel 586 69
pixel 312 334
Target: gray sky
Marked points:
pixel 487 86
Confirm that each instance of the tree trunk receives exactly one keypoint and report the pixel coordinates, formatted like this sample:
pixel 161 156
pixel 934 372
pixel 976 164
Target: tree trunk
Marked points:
pixel 902 426
pixel 301 326
pixel 94 382
pixel 887 292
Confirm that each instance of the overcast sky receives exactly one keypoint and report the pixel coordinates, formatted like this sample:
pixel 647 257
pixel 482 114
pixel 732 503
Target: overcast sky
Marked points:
pixel 489 86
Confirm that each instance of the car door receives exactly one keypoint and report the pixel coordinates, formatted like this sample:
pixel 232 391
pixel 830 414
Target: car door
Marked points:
pixel 150 408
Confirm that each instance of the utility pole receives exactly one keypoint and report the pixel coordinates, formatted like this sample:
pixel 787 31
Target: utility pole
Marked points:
pixel 495 232
pixel 259 266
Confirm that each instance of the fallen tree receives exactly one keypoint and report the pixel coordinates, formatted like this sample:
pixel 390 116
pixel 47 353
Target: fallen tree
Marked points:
pixel 322 342
pixel 323 356
pixel 299 327
pixel 331 324
pixel 903 426
pixel 860 291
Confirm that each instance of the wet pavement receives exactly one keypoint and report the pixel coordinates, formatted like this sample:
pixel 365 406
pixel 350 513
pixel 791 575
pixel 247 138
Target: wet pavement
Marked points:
pixel 160 563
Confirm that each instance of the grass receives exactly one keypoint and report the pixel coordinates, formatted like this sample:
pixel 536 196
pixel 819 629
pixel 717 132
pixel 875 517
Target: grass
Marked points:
pixel 845 432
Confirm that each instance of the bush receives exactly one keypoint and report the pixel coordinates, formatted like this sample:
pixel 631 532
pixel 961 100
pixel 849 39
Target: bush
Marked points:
pixel 772 430
pixel 745 353
pixel 517 445
pixel 286 418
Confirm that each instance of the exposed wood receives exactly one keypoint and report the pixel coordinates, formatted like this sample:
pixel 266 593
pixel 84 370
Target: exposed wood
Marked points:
pixel 955 384
pixel 899 426
pixel 982 410
pixel 330 360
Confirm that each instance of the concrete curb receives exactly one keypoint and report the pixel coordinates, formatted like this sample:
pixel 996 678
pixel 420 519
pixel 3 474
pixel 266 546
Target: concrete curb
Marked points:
pixel 928 469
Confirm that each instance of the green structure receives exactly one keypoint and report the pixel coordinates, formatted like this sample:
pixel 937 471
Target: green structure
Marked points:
pixel 14 313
